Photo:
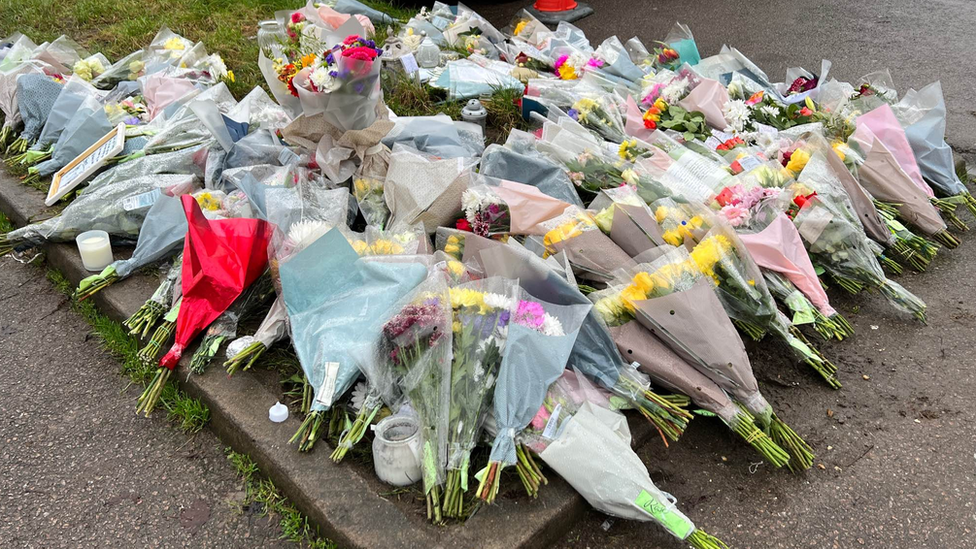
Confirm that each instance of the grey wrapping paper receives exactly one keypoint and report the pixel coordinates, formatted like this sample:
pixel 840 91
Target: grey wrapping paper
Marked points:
pixel 161 236
pixel 927 139
pixel 536 170
pixel 593 255
pixel 881 176
pixel 669 370
pixel 694 324
pixel 36 94
pixel 633 230
pixel 86 127
pixel 861 200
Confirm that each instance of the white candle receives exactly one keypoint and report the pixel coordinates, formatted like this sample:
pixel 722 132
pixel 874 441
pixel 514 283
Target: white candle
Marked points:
pixel 95 249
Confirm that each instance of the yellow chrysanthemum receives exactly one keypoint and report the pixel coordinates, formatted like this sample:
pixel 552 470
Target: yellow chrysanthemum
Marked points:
pixel 611 308
pixel 631 294
pixel 208 202
pixel 174 43
pixel 838 147
pixel 798 160
pixel 464 297
pixel 624 150
pixel 385 247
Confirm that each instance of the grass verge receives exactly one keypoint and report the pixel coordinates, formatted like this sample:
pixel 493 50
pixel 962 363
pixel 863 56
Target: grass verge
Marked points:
pixel 261 494
pixel 189 414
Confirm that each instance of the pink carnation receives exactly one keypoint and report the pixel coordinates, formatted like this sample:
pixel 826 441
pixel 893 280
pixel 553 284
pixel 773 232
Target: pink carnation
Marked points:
pixel 361 53
pixel 530 314
pixel 351 39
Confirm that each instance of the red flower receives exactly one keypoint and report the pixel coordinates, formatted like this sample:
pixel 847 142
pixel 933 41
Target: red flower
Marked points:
pixel 297 17
pixel 805 111
pixel 462 225
pixel 649 124
pixel 361 53
pixel 786 158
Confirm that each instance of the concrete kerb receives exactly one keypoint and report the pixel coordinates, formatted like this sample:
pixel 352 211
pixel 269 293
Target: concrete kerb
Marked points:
pixel 345 504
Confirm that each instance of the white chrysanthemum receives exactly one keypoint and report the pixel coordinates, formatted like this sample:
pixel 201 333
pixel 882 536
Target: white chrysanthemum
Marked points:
pixel 737 114
pixel 358 397
pixel 577 60
pixel 470 202
pixel 304 233
pixel 551 326
pixel 322 79
pixel 771 111
pixel 218 69
pixel 497 301
pixel 673 92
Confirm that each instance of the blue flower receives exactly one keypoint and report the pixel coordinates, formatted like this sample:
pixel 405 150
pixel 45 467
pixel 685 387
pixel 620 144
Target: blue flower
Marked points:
pixel 573 113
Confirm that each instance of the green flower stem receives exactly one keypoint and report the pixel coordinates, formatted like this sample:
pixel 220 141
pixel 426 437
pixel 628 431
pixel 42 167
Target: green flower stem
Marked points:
pixel 205 353
pixel 947 207
pixel 891 264
pixel 308 433
pixel 801 454
pixel 745 427
pixel 349 438
pixel 246 358
pixel 701 540
pixel 144 319
pixel 91 285
pixel 19 146
pixel 150 397
pixel 943 237
pixel 754 331
pixel 149 353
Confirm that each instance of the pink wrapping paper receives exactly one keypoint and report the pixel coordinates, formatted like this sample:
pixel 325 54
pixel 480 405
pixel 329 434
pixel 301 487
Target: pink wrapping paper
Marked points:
pixel 779 248
pixel 634 121
pixel 885 126
pixel 161 91
pixel 528 206
pixel 335 19
pixel 708 97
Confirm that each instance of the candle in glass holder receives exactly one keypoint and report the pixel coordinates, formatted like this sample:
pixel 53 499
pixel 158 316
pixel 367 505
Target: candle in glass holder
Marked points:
pixel 95 249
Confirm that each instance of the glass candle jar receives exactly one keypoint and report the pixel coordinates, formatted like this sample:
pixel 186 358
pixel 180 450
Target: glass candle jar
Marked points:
pixel 396 450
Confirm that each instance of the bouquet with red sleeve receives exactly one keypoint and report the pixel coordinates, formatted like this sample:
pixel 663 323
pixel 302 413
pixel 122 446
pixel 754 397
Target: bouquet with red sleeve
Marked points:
pixel 221 258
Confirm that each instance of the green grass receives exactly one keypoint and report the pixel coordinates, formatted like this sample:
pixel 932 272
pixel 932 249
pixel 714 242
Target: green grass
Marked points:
pixel 189 414
pixel 119 27
pixel 262 493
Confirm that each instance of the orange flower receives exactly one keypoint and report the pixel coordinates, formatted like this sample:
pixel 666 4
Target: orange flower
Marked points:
pixel 308 60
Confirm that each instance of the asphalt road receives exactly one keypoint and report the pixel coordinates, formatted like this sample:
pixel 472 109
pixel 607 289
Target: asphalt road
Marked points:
pixel 78 468
pixel 919 42
pixel 897 449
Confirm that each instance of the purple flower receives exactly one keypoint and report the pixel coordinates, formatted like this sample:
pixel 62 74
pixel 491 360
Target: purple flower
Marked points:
pixel 131 121
pixel 573 113
pixel 329 59
pixel 493 209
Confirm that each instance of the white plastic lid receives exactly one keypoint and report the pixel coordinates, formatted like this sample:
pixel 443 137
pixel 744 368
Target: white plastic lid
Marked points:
pixel 278 413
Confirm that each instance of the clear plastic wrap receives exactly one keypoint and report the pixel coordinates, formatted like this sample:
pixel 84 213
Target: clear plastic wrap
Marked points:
pixel 420 188
pixel 923 115
pixel 118 209
pixel 518 161
pixel 436 135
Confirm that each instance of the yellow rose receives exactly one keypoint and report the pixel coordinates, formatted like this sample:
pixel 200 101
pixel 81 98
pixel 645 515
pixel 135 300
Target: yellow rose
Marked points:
pixel 604 219
pixel 456 268
pixel 643 281
pixel 673 237
pixel 838 147
pixel 631 294
pixel 660 214
pixel 798 160
pixel 452 249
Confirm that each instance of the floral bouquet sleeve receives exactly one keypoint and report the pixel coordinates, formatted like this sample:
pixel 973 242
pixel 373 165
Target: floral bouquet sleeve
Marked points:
pixel 495 207
pixel 540 339
pixel 674 300
pixel 589 446
pixel 591 252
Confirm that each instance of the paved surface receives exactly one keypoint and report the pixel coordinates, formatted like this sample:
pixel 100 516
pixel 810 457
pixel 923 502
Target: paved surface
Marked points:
pixel 80 469
pixel 919 42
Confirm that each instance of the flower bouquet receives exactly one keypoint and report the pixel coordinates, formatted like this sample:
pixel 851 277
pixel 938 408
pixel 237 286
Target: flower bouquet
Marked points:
pixel 160 236
pixel 420 357
pixel 673 299
pixel 540 339
pixel 493 206
pixel 243 352
pixel 220 260
pixel 331 296
pixel 667 369
pixel 589 446
pixel 482 313
pixel 599 115
pixel 591 252
pixel 369 194
pixel 158 303
pixel 627 220
pixel 594 353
